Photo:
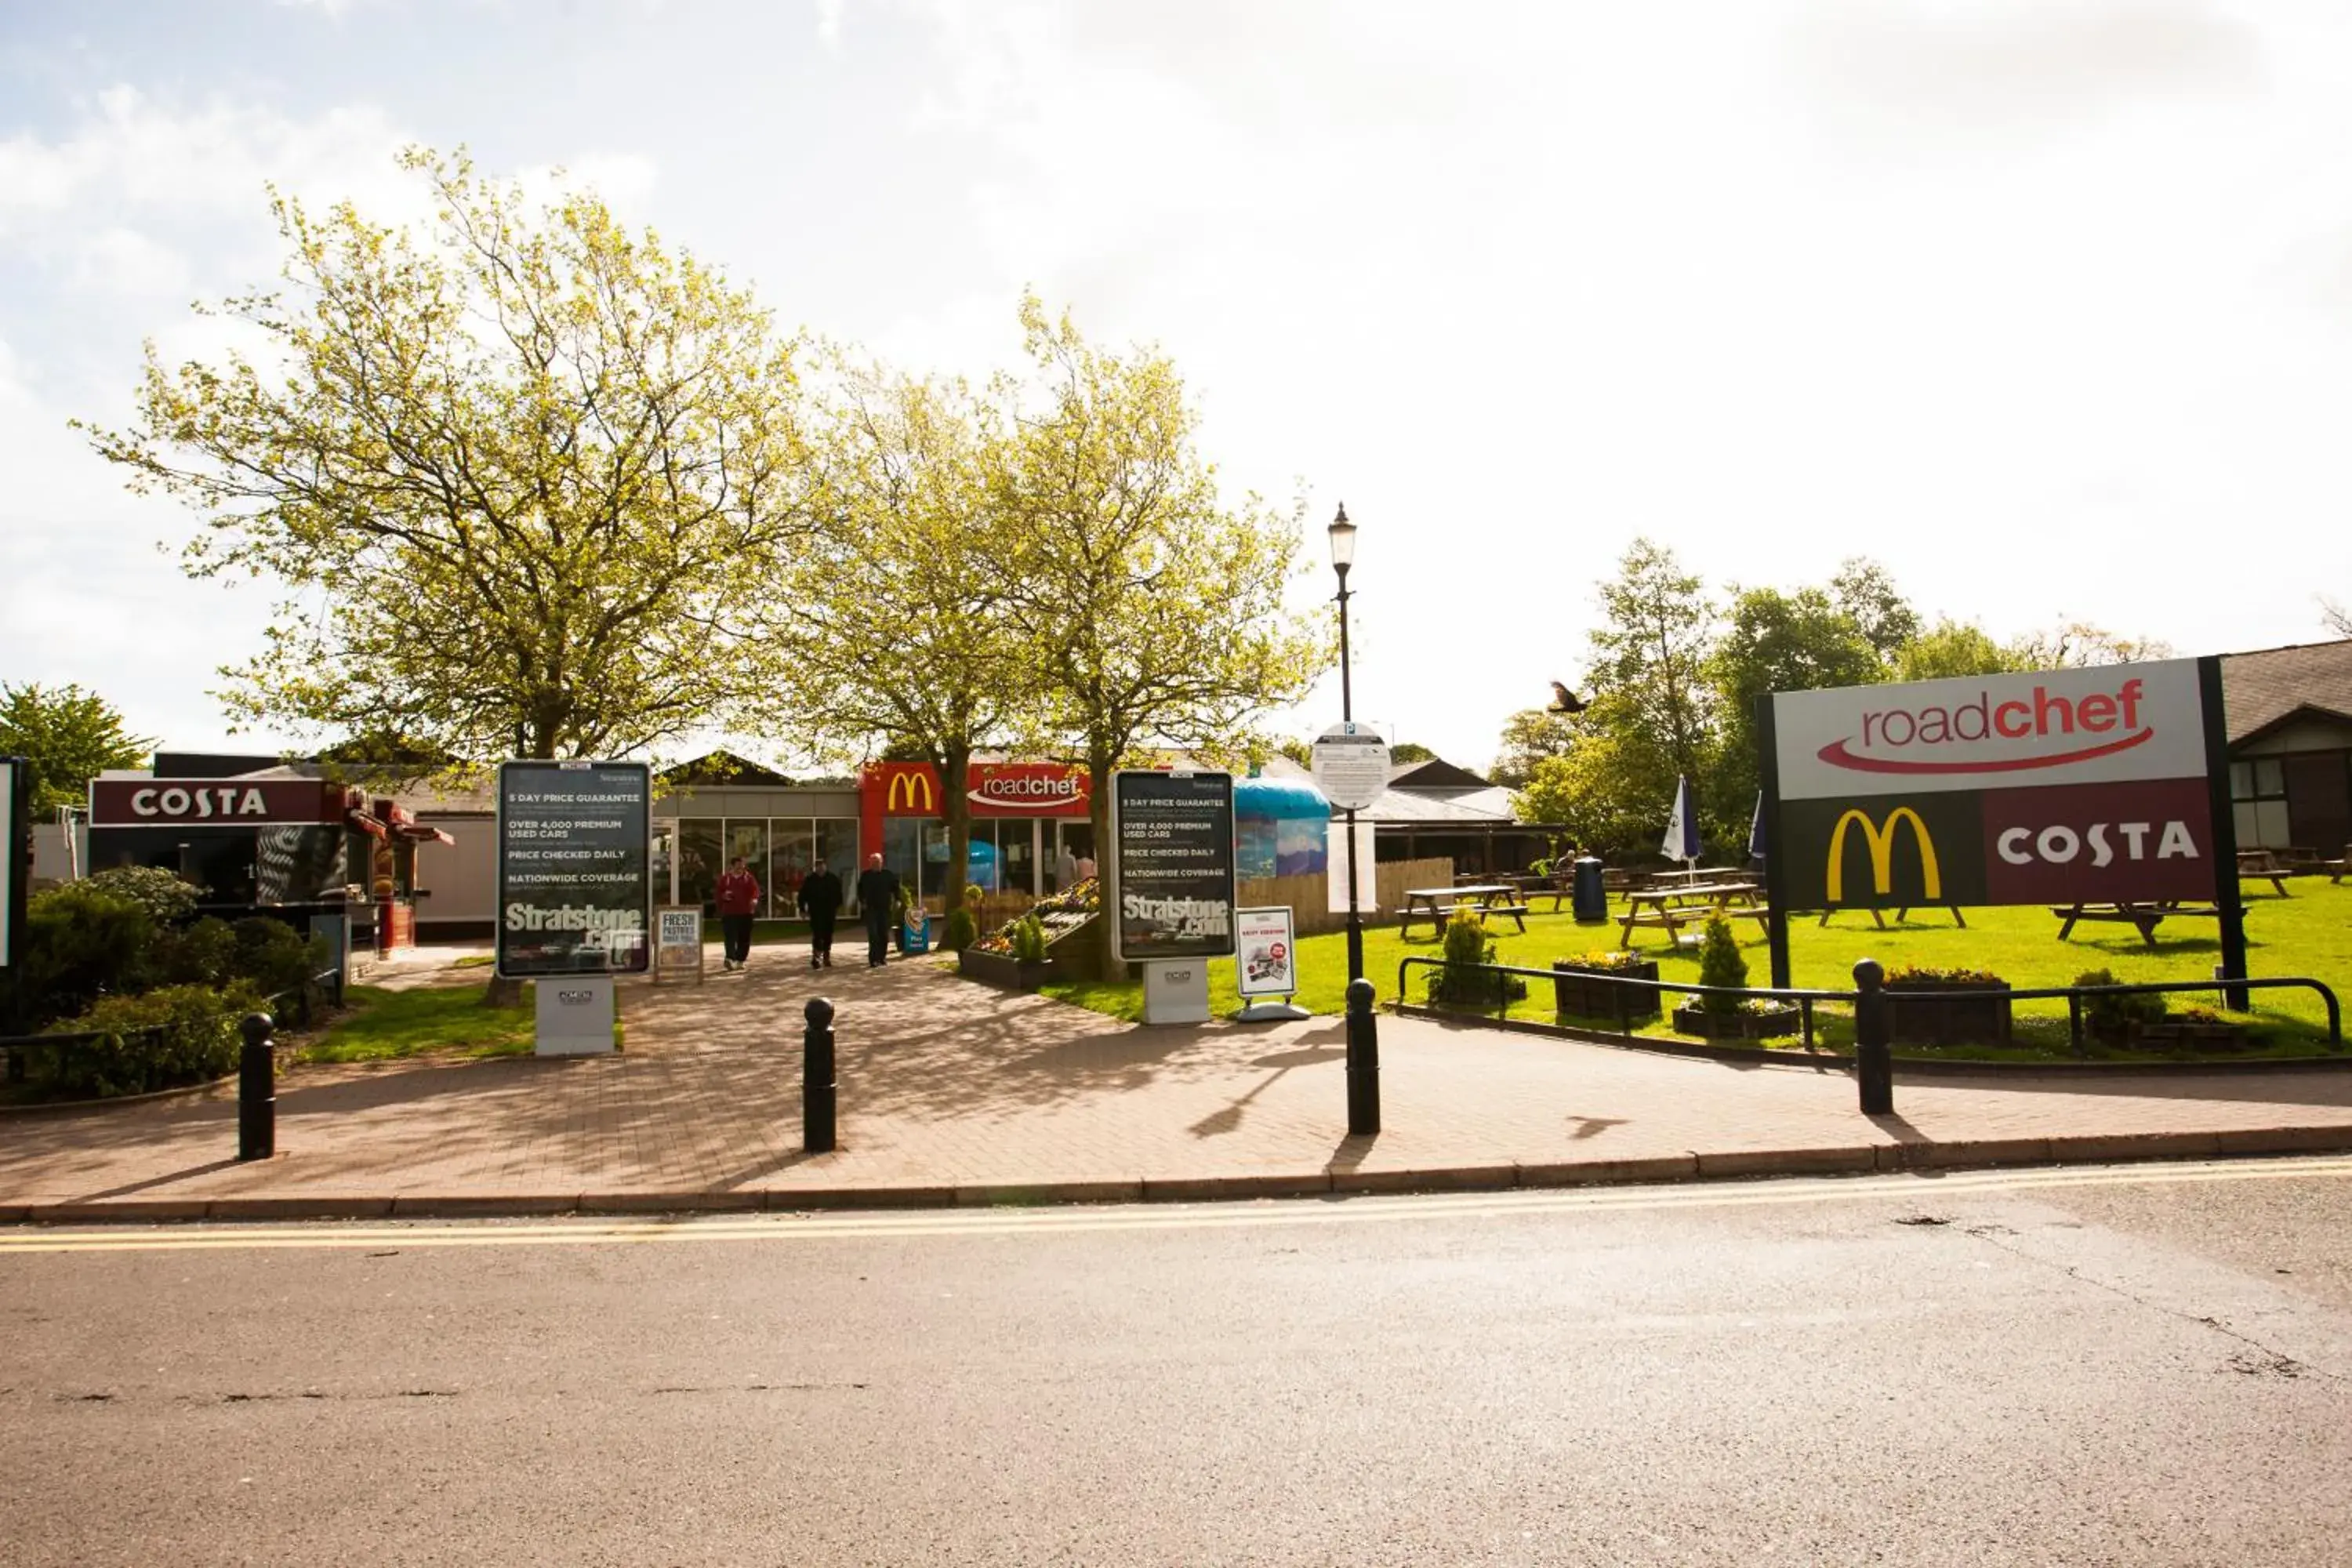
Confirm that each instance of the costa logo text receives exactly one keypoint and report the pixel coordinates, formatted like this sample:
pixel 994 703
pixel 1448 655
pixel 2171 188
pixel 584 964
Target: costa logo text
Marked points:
pixel 1923 740
pixel 2062 846
pixel 1880 840
pixel 200 804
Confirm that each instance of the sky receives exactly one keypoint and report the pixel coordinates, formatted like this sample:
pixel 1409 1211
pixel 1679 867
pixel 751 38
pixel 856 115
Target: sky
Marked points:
pixel 2047 306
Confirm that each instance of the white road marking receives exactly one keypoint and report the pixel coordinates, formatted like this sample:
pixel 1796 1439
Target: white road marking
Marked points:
pixel 1893 1188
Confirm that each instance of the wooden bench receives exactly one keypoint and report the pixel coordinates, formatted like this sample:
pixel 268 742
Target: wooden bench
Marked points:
pixel 1438 914
pixel 2143 918
pixel 1673 920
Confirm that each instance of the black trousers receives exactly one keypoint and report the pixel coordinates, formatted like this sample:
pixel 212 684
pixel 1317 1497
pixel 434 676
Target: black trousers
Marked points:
pixel 820 932
pixel 878 935
pixel 737 932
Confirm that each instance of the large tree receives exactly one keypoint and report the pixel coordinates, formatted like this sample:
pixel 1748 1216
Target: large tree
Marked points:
pixel 1865 590
pixel 1155 609
pixel 69 737
pixel 1529 737
pixel 1775 641
pixel 519 468
pixel 1650 649
pixel 893 633
pixel 1952 648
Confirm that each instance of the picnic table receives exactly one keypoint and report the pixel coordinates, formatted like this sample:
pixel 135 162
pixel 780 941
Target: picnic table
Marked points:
pixel 2142 917
pixel 1903 914
pixel 1436 905
pixel 1694 903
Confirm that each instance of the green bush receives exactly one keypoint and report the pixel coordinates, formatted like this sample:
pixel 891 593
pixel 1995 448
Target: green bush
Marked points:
pixel 1721 963
pixel 166 898
pixel 202 953
pixel 2111 1017
pixel 1464 979
pixel 273 956
pixel 80 943
pixel 1028 940
pixel 159 1039
pixel 961 931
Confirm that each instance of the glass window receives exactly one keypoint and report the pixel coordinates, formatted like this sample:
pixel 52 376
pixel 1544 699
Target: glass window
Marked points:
pixel 836 840
pixel 221 865
pixel 791 845
pixel 2258 801
pixel 1016 854
pixel 901 845
pixel 664 853
pixel 749 838
pixel 298 865
pixel 702 855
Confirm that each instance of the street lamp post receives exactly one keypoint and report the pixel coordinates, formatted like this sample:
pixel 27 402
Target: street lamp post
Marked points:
pixel 1343 555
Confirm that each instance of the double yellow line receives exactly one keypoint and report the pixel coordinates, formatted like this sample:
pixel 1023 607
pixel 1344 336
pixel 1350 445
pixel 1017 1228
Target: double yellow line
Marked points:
pixel 1912 1189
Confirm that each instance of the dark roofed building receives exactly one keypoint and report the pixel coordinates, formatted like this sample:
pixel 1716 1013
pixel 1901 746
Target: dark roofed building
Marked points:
pixel 2290 719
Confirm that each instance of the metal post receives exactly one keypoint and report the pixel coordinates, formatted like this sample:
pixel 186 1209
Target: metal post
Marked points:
pixel 1363 1061
pixel 256 1091
pixel 1873 1056
pixel 1348 713
pixel 817 1102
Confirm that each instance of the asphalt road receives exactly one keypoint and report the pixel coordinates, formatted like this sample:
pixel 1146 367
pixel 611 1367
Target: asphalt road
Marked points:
pixel 2143 1365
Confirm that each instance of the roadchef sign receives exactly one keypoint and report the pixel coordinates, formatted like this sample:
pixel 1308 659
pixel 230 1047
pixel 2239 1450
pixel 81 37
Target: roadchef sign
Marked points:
pixel 2075 785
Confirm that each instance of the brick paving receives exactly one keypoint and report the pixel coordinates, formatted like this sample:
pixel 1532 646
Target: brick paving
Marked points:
pixel 953 1090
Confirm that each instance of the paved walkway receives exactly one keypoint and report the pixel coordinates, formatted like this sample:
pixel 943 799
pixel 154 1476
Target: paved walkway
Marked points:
pixel 952 1092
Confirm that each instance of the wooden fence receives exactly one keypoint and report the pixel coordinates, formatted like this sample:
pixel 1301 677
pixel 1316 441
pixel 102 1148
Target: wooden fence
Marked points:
pixel 1307 896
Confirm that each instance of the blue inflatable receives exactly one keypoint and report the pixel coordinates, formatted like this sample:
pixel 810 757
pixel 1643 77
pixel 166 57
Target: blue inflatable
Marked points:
pixel 980 862
pixel 1280 827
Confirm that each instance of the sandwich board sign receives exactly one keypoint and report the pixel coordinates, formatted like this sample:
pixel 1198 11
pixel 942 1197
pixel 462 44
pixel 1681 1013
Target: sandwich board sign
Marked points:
pixel 678 942
pixel 1266 963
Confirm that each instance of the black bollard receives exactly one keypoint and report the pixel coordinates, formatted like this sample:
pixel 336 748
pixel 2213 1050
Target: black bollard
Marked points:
pixel 256 1091
pixel 1363 1061
pixel 816 1078
pixel 1873 1056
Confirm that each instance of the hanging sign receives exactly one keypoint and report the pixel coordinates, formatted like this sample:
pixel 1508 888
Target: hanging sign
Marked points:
pixel 576 868
pixel 1351 767
pixel 1265 954
pixel 1172 865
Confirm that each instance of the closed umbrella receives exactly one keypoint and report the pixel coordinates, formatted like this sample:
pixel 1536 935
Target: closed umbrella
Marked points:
pixel 1756 839
pixel 1682 828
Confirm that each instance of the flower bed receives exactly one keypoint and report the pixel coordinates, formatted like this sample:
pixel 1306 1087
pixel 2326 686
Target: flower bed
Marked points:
pixel 2195 1029
pixel 1761 1019
pixel 1583 985
pixel 1920 1013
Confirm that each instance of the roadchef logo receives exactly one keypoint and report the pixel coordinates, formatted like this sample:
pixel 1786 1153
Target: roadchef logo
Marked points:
pixel 1923 740
pixel 1030 790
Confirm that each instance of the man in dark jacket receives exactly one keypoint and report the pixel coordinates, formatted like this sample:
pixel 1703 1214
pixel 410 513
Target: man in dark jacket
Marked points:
pixel 739 902
pixel 820 899
pixel 877 898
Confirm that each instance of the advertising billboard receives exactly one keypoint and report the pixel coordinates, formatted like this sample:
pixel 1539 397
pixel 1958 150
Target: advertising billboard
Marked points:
pixel 1172 865
pixel 1266 964
pixel 575 875
pixel 2068 786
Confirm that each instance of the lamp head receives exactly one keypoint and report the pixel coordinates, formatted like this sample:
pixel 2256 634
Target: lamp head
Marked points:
pixel 1343 542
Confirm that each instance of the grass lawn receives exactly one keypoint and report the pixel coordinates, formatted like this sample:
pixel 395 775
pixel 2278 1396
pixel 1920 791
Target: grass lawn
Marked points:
pixel 385 1024
pixel 2309 933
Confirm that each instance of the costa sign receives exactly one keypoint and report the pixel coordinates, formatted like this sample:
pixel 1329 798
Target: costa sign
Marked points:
pixel 2066 787
pixel 248 802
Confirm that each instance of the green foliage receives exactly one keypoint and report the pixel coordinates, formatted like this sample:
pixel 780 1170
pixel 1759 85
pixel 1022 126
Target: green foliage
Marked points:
pixel 1607 959
pixel 961 931
pixel 202 953
pixel 1529 737
pixel 69 736
pixel 1411 751
pixel 1720 962
pixel 274 957
pixel 975 896
pixel 1029 939
pixel 161 893
pixel 80 943
pixel 1467 946
pixel 1928 975
pixel 1612 790
pixel 158 1039
pixel 2112 1017
pixel 1865 594
pixel 534 466
pixel 386 1024
pixel 1799 641
pixel 1952 648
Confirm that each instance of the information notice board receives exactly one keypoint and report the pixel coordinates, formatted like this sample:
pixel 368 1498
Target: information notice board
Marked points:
pixel 1172 865
pixel 576 868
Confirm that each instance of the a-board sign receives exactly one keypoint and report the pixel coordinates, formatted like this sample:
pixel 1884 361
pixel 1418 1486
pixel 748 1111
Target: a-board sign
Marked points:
pixel 1172 865
pixel 15 856
pixel 678 940
pixel 1351 765
pixel 1265 954
pixel 2063 786
pixel 575 867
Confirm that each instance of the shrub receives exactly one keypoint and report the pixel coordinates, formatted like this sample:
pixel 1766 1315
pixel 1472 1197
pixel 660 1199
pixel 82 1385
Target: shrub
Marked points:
pixel 1927 975
pixel 1720 964
pixel 974 895
pixel 274 956
pixel 166 898
pixel 1028 940
pixel 961 931
pixel 1467 947
pixel 160 1039
pixel 80 943
pixel 1610 960
pixel 202 953
pixel 2111 1017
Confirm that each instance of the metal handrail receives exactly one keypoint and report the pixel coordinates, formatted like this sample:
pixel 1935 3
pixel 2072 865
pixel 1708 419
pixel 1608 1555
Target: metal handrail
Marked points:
pixel 2073 995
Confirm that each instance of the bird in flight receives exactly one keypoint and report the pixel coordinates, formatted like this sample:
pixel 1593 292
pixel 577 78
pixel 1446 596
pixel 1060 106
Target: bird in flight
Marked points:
pixel 1563 700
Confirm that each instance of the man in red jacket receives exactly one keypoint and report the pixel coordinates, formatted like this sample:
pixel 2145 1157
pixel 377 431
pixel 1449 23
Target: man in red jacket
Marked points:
pixel 738 900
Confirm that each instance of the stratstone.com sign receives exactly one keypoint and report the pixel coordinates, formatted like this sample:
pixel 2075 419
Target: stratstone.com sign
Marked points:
pixel 576 878
pixel 2078 785
pixel 1172 836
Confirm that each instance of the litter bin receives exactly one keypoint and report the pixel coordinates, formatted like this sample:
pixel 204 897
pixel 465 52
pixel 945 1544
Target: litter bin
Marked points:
pixel 1591 900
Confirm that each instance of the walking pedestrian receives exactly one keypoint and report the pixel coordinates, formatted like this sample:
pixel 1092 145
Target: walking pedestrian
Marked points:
pixel 820 899
pixel 1066 871
pixel 877 898
pixel 738 900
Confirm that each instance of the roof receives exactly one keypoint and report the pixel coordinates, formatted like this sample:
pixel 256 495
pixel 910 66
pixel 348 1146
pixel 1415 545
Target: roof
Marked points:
pixel 1436 773
pixel 1476 807
pixel 724 768
pixel 2263 689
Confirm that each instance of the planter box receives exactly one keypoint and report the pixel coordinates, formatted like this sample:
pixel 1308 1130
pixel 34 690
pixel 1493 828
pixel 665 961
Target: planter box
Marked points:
pixel 2183 1035
pixel 1919 1013
pixel 1001 969
pixel 1594 993
pixel 1740 1025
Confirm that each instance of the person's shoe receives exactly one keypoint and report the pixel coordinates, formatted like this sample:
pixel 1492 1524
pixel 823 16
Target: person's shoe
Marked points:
pixel 828 961
pixel 814 962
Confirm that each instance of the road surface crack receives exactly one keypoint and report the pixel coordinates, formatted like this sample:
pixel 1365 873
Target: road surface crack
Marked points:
pixel 2268 1362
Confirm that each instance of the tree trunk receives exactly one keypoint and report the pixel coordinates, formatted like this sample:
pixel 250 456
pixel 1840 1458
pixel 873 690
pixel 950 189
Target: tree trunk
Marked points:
pixel 539 747
pixel 955 772
pixel 1099 770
